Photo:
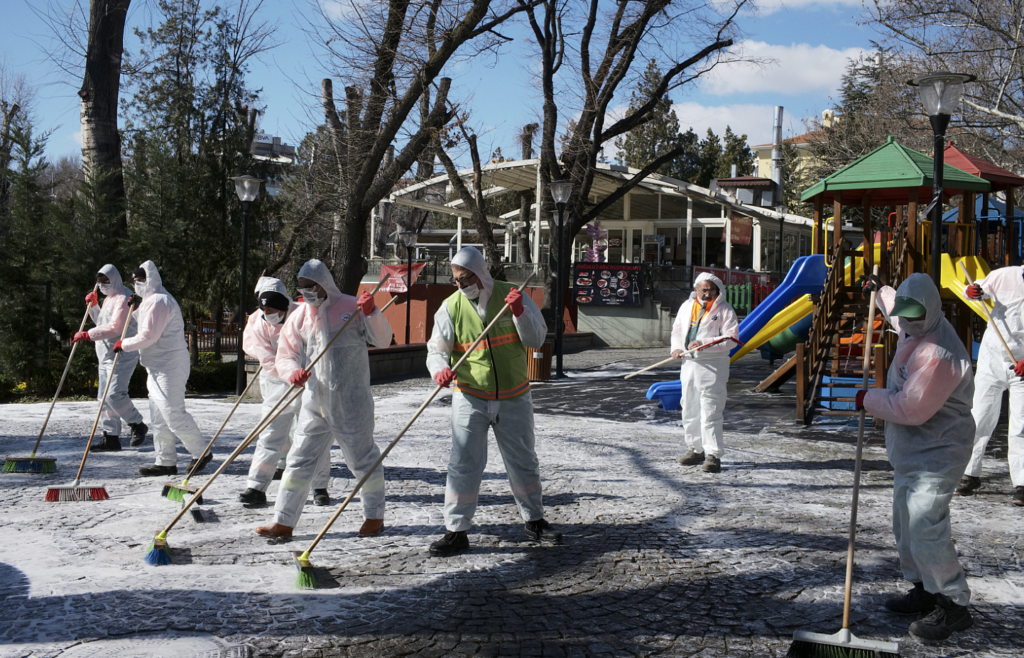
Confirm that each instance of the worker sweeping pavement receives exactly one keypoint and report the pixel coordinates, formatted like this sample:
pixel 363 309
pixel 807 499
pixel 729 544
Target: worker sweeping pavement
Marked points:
pixel 997 373
pixel 337 404
pixel 704 317
pixel 492 390
pixel 928 436
pixel 160 342
pixel 260 341
pixel 109 317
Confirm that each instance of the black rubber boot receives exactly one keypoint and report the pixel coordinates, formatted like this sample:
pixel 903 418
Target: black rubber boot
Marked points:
pixel 453 542
pixel 153 471
pixel 277 474
pixel 691 458
pixel 193 469
pixel 541 530
pixel 914 601
pixel 252 497
pixel 945 619
pixel 138 434
pixel 109 443
pixel 321 497
pixel 968 484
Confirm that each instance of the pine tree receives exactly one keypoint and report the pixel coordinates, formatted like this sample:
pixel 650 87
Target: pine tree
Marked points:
pixel 657 136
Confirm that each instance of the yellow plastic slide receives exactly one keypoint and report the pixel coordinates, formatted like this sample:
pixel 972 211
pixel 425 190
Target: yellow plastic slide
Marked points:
pixel 955 283
pixel 795 312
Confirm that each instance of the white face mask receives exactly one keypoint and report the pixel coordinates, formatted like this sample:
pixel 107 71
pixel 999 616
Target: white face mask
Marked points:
pixel 106 288
pixel 470 292
pixel 273 318
pixel 140 288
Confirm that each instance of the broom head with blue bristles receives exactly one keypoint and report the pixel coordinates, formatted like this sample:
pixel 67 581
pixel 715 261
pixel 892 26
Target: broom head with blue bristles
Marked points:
pixel 30 465
pixel 159 553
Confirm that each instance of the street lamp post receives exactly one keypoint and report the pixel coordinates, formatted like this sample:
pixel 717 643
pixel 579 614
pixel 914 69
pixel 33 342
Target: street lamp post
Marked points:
pixel 409 240
pixel 560 191
pixel 940 94
pixel 247 188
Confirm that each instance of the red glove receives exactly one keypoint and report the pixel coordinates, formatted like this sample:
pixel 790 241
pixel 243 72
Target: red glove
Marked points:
pixel 515 299
pixel 80 335
pixel 1019 369
pixel 365 301
pixel 444 378
pixel 92 299
pixel 299 377
pixel 117 347
pixel 974 291
pixel 859 404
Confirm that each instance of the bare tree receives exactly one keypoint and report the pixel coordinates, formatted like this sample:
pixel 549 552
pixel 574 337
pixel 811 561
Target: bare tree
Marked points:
pixel 391 56
pixel 16 96
pixel 981 37
pixel 526 197
pixel 703 31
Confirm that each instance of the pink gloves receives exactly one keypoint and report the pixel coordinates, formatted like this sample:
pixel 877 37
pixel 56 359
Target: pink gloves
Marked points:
pixel 80 335
pixel 299 377
pixel 444 378
pixel 515 300
pixel 92 299
pixel 365 302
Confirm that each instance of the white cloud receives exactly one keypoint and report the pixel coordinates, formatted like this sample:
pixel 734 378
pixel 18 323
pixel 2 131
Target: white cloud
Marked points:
pixel 766 7
pixel 75 137
pixel 755 121
pixel 796 69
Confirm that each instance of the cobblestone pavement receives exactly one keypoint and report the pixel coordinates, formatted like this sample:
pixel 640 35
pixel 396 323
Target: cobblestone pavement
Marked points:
pixel 657 559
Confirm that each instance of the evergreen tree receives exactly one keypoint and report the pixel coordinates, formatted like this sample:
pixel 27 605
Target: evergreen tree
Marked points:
pixel 735 152
pixel 657 136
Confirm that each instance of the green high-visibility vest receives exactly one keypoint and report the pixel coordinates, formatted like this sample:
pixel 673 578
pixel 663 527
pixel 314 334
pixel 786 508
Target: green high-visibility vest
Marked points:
pixel 496 369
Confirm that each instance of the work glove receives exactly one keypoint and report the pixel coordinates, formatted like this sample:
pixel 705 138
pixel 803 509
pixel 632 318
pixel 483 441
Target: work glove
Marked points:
pixel 299 377
pixel 92 299
pixel 859 404
pixel 80 335
pixel 135 301
pixel 365 302
pixel 869 283
pixel 974 291
pixel 444 378
pixel 117 347
pixel 515 300
pixel 1019 369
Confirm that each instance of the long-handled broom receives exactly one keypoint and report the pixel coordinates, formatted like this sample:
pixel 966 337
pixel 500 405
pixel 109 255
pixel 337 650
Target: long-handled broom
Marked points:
pixel 176 492
pixel 33 464
pixel 158 552
pixel 716 341
pixel 73 491
pixel 845 644
pixel 988 318
pixel 307 579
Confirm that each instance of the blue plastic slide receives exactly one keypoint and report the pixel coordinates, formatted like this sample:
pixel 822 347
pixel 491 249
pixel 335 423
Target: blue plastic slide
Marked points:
pixel 806 277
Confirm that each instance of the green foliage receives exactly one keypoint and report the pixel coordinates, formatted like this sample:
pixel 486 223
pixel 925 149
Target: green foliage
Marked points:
pixel 212 377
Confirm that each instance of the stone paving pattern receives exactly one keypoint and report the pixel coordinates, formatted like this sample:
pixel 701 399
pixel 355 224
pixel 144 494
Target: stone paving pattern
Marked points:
pixel 657 559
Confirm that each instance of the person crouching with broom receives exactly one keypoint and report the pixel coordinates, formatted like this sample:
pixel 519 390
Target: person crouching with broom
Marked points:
pixel 929 433
pixel 337 405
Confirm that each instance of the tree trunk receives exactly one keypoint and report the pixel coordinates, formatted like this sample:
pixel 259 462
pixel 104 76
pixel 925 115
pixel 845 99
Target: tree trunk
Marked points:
pixel 101 142
pixel 6 144
pixel 526 198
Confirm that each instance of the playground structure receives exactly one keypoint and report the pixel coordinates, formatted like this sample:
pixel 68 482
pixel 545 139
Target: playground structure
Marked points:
pixel 819 311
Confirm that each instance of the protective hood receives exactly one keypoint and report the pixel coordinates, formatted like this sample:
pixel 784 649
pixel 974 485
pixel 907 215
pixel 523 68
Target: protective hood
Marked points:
pixel 111 273
pixel 708 276
pixel 270 284
pixel 471 259
pixel 920 288
pixel 153 281
pixel 315 270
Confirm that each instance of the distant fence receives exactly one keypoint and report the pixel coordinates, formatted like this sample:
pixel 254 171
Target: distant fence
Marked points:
pixel 206 336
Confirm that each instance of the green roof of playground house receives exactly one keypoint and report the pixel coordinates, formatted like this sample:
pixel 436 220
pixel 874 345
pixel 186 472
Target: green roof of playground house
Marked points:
pixel 888 174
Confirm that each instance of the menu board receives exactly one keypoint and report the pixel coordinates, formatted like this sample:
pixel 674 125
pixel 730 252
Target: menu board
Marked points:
pixel 607 284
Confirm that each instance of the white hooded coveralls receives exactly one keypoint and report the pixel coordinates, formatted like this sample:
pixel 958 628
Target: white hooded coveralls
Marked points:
pixel 259 341
pixel 109 318
pixel 928 436
pixel 995 371
pixel 160 342
pixel 512 419
pixel 337 404
pixel 705 374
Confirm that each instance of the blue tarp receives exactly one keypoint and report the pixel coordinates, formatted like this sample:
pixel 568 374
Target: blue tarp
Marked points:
pixel 996 211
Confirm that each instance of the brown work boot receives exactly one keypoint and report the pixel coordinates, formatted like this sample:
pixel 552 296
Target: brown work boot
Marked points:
pixel 371 527
pixel 275 531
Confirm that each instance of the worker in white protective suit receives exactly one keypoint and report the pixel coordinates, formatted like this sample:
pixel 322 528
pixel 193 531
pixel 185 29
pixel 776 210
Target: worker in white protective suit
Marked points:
pixel 492 390
pixel 260 342
pixel 109 318
pixel 997 373
pixel 337 404
pixel 929 431
pixel 160 342
pixel 703 318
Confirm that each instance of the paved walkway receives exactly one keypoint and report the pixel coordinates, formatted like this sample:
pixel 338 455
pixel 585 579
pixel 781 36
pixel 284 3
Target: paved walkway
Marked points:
pixel 657 559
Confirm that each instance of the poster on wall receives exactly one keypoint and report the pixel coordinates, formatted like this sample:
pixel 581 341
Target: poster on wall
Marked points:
pixel 607 284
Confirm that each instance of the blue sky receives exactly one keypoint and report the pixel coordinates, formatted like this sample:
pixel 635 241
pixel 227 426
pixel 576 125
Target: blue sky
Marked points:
pixel 809 41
